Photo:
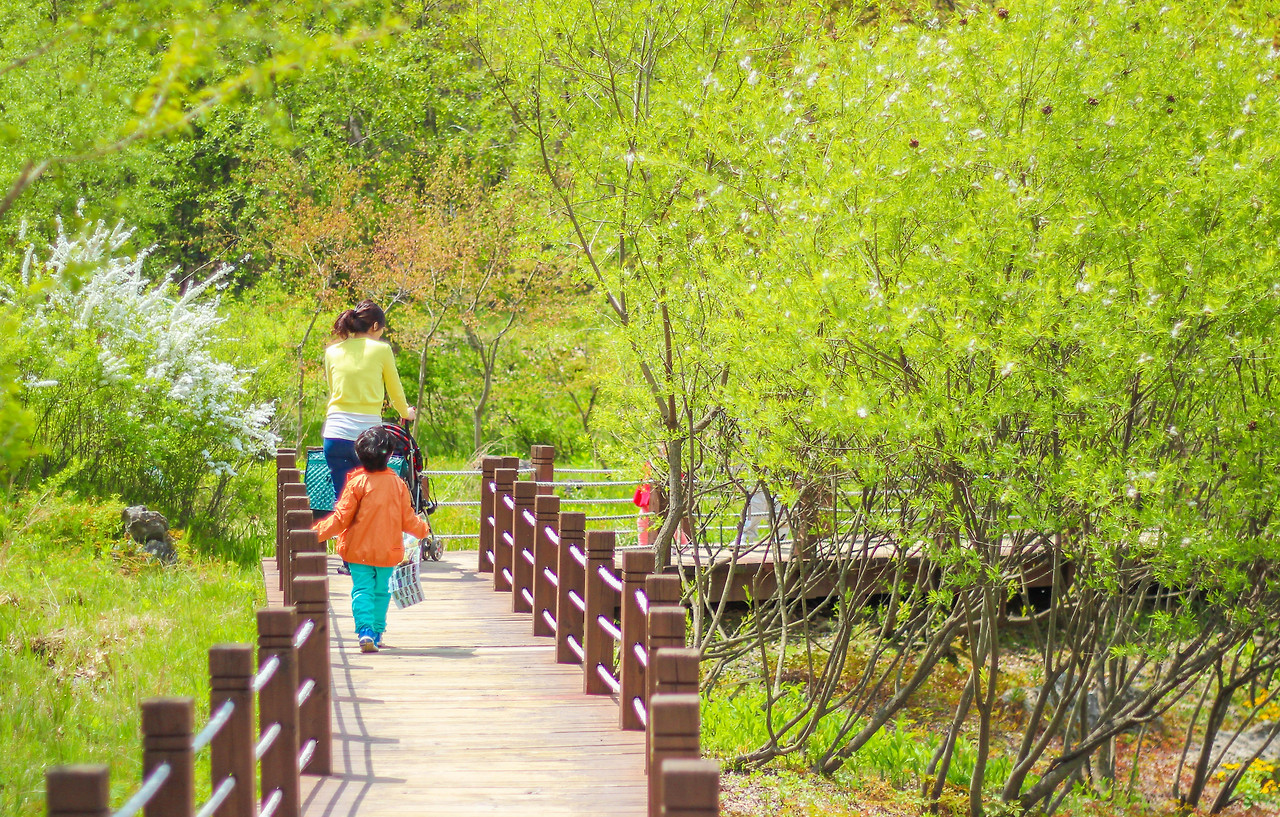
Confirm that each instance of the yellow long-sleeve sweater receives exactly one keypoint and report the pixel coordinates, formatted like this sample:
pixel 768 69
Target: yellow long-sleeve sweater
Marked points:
pixel 360 371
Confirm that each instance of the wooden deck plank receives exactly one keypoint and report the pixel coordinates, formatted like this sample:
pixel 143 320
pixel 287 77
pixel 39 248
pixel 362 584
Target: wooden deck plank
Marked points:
pixel 466 714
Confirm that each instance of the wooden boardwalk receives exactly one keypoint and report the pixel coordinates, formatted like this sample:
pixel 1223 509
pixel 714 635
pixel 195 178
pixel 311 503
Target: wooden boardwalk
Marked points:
pixel 467 713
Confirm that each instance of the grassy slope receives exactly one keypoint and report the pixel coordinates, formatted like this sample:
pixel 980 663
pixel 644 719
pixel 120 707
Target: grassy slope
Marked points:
pixel 85 632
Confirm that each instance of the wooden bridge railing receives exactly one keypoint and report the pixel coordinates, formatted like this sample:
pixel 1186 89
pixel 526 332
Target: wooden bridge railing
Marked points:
pixel 564 577
pixel 291 689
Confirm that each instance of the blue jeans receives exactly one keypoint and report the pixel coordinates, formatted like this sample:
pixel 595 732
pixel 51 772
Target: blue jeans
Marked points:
pixel 370 597
pixel 341 457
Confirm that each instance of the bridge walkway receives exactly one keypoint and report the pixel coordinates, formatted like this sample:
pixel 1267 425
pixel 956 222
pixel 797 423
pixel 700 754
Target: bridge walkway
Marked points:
pixel 466 713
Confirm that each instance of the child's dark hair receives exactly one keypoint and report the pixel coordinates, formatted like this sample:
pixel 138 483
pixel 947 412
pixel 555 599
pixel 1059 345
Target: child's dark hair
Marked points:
pixel 374 448
pixel 363 317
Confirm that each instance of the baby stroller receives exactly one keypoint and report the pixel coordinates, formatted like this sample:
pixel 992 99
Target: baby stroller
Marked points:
pixel 406 461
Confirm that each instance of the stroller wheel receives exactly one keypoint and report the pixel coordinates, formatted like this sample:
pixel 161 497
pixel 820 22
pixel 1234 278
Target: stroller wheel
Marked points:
pixel 437 549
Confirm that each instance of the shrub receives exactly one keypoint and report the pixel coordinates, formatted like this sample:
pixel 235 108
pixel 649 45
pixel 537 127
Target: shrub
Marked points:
pixel 124 380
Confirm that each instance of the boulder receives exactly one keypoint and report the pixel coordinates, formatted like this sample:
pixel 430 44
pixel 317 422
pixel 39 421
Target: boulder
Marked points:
pixel 143 525
pixel 162 549
pixel 1248 742
pixel 150 530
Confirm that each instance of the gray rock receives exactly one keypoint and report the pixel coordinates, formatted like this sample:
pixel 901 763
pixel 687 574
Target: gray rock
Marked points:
pixel 1025 698
pixel 143 525
pixel 162 549
pixel 1249 741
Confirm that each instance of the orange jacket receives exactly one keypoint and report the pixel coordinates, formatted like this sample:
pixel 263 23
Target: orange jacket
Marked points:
pixel 375 507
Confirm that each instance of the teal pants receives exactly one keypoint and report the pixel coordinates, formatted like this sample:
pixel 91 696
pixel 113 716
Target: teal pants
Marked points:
pixel 370 597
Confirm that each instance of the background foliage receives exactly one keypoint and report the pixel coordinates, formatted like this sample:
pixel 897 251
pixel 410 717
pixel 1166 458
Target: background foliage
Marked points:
pixel 972 283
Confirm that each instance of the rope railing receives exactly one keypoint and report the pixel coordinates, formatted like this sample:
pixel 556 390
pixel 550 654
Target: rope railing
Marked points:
pixel 216 721
pixel 271 804
pixel 267 740
pixel 290 687
pixel 219 796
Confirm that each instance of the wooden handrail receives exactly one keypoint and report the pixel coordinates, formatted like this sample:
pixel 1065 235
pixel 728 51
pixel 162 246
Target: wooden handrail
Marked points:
pixel 545 580
pixel 231 752
pixel 636 567
pixel 166 741
pixel 487 467
pixel 504 480
pixel 523 528
pixel 673 733
pixel 569 618
pixel 600 600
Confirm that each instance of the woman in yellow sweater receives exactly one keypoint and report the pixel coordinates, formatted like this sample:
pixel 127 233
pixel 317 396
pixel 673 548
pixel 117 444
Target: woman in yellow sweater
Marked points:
pixel 361 371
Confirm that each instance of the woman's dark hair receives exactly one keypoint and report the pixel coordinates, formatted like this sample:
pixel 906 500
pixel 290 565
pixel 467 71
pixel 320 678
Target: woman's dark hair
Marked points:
pixel 362 318
pixel 374 447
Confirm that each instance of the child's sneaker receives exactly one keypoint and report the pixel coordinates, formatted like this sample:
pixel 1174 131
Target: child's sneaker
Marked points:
pixel 377 640
pixel 367 644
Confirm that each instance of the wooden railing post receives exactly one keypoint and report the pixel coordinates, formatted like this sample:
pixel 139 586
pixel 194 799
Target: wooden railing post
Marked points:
pixel 666 631
pixel 78 791
pixel 286 458
pixel 308 557
pixel 487 466
pixel 231 751
pixel 278 704
pixel 522 534
pixel 293 494
pixel 166 738
pixel 569 618
pixel 547 510
pixel 504 480
pixel 636 567
pixel 296 520
pixel 673 733
pixel 543 458
pixel 672 670
pixel 690 788
pixel 311 598
pixel 597 646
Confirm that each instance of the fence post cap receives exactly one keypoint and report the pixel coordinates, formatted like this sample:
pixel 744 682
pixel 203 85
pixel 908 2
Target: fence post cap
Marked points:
pixel 79 788
pixel 543 451
pixel 572 521
pixel 511 462
pixel 525 490
pixel 663 587
pixel 505 475
pixel 276 621
pixel 490 464
pixel 546 505
pixel 638 562
pixel 168 715
pixel 230 660
pixel 691 784
pixel 311 589
pixel 601 542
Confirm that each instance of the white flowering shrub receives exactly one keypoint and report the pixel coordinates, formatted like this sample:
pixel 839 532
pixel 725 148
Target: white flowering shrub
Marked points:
pixel 124 376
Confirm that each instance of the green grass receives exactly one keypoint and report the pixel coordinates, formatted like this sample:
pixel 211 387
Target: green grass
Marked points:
pixel 87 629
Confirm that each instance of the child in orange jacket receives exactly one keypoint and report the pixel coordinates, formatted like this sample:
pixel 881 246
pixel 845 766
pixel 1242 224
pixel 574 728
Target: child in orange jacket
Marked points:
pixel 375 507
